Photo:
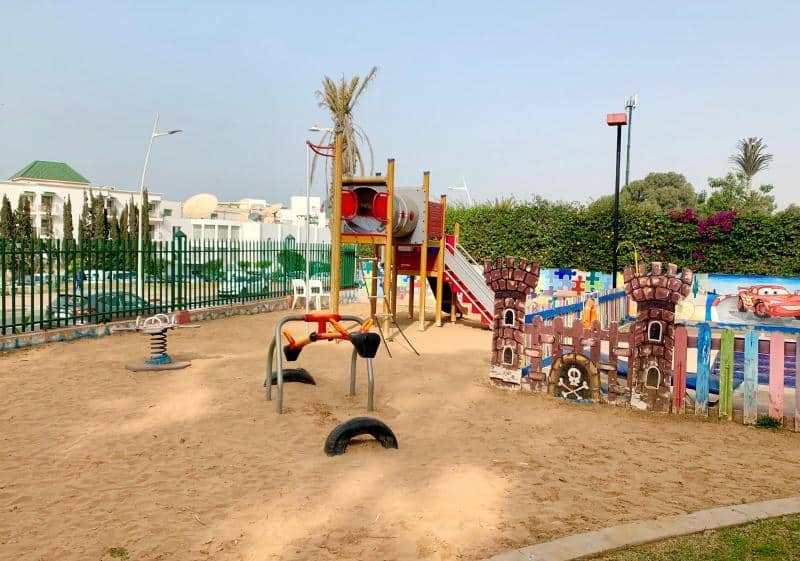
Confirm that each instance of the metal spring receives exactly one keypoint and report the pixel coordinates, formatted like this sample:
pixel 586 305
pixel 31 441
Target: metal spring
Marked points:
pixel 158 344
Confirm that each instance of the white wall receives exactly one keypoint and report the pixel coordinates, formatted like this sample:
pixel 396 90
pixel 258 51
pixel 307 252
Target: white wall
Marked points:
pixel 233 230
pixel 116 200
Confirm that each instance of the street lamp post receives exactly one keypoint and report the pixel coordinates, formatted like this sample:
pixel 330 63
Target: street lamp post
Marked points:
pixel 618 120
pixel 465 189
pixel 308 205
pixel 142 213
pixel 630 104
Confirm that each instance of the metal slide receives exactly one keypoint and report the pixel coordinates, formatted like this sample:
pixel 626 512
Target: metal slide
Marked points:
pixel 465 275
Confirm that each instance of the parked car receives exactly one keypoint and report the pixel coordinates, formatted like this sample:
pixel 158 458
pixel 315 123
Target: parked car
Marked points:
pixel 103 306
pixel 769 300
pixel 241 284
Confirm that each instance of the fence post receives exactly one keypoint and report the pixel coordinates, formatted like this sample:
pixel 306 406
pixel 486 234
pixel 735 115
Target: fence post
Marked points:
pixel 3 281
pixel 679 383
pixel 776 354
pixel 750 397
pixel 726 375
pixel 797 384
pixel 703 369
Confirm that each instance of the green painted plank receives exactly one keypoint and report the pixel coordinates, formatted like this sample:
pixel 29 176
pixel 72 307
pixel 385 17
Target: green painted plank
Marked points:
pixel 726 375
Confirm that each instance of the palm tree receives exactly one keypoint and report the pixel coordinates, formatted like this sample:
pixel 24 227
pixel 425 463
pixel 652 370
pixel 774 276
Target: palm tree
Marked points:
pixel 751 157
pixel 340 99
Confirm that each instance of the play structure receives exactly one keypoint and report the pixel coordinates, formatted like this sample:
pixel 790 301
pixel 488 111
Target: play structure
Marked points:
pixel 156 327
pixel 365 344
pixel 579 355
pixel 406 230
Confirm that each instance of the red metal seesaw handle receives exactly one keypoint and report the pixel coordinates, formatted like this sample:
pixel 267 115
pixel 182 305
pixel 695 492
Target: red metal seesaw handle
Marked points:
pixel 321 319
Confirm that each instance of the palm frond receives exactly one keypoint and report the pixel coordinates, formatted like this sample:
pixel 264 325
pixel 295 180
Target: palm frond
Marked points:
pixel 751 157
pixel 339 98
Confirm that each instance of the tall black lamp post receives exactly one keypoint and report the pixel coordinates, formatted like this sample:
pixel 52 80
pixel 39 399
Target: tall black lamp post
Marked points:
pixel 618 120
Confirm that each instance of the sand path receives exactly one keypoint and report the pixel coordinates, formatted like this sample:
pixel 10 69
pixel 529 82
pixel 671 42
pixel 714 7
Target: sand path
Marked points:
pixel 194 464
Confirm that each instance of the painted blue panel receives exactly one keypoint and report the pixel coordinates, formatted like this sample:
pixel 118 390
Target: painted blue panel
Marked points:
pixel 703 368
pixel 751 375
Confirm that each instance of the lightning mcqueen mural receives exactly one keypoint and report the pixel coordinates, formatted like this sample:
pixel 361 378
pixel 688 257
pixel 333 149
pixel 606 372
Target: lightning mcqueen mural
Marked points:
pixel 769 300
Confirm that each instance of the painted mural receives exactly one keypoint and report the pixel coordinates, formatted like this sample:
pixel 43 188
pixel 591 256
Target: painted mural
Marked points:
pixel 744 300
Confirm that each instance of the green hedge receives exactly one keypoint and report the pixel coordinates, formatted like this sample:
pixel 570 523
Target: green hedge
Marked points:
pixel 571 235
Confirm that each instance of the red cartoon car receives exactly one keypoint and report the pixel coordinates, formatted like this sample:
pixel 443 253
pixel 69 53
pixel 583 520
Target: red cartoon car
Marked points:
pixel 769 300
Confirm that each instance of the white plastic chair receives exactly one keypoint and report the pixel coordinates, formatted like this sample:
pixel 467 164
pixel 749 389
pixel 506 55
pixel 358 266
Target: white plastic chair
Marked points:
pixel 298 291
pixel 316 291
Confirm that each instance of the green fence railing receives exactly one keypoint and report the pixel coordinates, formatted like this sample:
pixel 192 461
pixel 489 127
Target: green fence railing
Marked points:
pixel 45 284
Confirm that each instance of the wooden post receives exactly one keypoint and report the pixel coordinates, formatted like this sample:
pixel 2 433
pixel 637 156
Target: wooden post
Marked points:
pixel 750 387
pixel 336 224
pixel 440 264
pixel 388 253
pixel 411 297
pixel 453 292
pixel 703 369
pixel 797 384
pixel 726 375
pixel 373 301
pixel 613 341
pixel 679 383
pixel 394 279
pixel 423 258
pixel 776 351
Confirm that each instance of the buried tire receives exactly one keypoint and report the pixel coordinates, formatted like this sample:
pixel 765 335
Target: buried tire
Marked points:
pixel 299 375
pixel 340 436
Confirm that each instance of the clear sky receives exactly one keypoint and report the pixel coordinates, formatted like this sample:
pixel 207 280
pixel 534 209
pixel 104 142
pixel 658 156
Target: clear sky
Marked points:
pixel 511 96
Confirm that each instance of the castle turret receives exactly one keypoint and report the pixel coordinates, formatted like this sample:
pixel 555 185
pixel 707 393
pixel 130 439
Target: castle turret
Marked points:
pixel 511 282
pixel 656 293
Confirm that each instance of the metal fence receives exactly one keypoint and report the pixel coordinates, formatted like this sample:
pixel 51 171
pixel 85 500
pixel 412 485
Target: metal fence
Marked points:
pixel 45 284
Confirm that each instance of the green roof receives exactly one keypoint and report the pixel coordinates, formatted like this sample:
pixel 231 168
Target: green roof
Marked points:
pixel 49 171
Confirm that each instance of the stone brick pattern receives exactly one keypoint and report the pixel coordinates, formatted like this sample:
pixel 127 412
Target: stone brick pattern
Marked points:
pixel 511 281
pixel 656 293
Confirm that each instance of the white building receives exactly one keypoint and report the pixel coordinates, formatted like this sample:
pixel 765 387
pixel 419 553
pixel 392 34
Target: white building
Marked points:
pixel 48 185
pixel 250 220
pixel 297 215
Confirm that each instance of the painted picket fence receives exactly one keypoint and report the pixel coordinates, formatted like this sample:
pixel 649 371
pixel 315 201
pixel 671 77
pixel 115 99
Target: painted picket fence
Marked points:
pixel 780 362
pixel 612 307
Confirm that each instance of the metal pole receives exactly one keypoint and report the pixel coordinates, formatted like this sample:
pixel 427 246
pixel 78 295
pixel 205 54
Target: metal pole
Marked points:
pixel 308 219
pixel 628 155
pixel 335 224
pixel 469 197
pixel 616 210
pixel 139 260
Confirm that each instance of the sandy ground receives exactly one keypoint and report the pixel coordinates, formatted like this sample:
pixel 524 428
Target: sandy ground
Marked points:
pixel 194 464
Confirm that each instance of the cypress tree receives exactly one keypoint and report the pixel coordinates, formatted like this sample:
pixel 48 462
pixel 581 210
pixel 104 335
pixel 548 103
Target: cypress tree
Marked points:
pixel 23 223
pixel 123 223
pixel 113 227
pixel 146 213
pixel 133 221
pixel 6 220
pixel 67 220
pixel 84 223
pixel 98 227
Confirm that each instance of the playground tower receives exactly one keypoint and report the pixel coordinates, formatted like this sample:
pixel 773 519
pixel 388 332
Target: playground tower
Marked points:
pixel 405 229
pixel 656 293
pixel 511 282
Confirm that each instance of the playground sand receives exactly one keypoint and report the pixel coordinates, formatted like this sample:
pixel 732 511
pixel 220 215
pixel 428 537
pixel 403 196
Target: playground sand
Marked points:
pixel 194 464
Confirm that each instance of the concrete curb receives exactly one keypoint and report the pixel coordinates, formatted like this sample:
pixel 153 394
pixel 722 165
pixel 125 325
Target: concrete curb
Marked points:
pixel 638 533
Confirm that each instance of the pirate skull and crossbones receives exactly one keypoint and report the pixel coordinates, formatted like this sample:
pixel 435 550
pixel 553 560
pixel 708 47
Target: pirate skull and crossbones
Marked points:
pixel 574 385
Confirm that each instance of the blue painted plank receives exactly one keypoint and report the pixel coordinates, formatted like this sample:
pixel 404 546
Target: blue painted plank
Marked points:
pixel 750 395
pixel 703 369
